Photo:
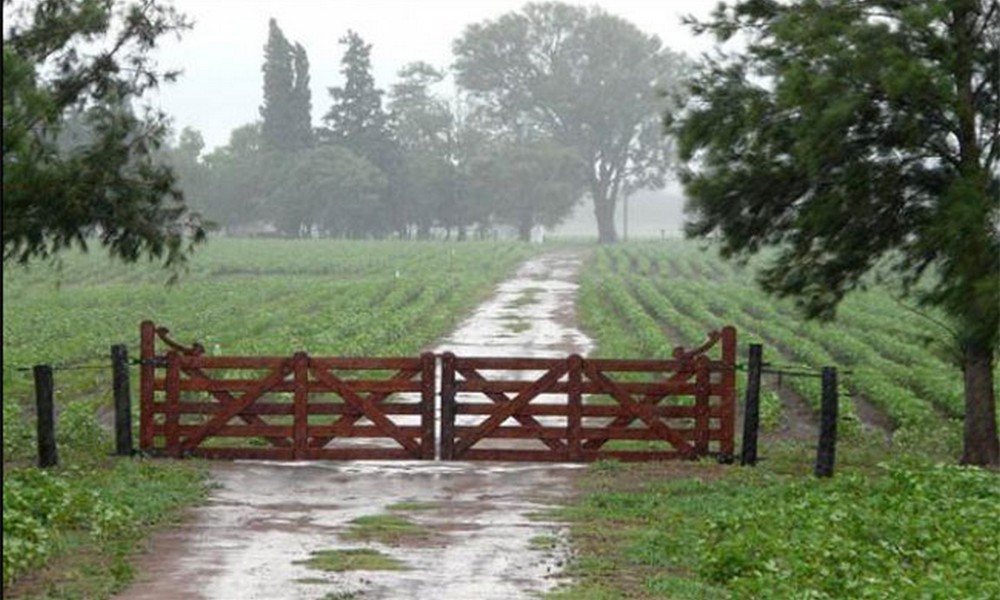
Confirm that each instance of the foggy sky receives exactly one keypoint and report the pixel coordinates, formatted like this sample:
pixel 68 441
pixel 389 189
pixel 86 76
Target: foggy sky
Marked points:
pixel 221 58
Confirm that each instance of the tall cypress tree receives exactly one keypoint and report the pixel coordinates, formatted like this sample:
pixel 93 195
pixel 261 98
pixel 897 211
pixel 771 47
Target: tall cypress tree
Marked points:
pixel 301 99
pixel 285 112
pixel 356 120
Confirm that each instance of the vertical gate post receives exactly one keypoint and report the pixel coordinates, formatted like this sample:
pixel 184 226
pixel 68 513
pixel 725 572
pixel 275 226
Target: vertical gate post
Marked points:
pixel 48 454
pixel 727 393
pixel 751 407
pixel 702 385
pixel 147 372
pixel 427 389
pixel 123 400
pixel 574 416
pixel 826 451
pixel 300 426
pixel 171 426
pixel 448 406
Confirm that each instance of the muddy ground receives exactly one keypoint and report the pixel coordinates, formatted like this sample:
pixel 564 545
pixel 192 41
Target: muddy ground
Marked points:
pixel 484 534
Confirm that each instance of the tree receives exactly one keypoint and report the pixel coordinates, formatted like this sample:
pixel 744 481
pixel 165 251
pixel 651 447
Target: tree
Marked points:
pixel 531 182
pixel 356 121
pixel 850 135
pixel 88 58
pixel 286 124
pixel 592 81
pixel 240 178
pixel 423 128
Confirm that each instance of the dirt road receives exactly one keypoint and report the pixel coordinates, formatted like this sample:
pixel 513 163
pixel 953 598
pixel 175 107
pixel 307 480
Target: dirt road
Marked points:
pixel 480 536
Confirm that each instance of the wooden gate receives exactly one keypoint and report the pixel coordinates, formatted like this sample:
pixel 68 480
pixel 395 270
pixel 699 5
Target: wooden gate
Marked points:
pixel 578 409
pixel 297 407
pixel 537 409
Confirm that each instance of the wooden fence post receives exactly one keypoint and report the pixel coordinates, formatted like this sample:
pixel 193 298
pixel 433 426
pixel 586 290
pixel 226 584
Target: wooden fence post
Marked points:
pixel 826 451
pixel 574 417
pixel 123 400
pixel 48 454
pixel 448 406
pixel 428 388
pixel 751 406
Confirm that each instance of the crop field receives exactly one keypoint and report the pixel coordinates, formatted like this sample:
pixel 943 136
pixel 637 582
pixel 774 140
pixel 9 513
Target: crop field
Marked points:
pixel 898 520
pixel 897 366
pixel 239 297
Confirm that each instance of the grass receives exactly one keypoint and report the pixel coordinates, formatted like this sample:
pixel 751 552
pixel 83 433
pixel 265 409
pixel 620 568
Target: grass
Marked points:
pixel 414 506
pixel 900 529
pixel 353 559
pixel 385 529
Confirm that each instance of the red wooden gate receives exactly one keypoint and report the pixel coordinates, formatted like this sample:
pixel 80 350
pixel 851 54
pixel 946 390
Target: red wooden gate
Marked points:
pixel 577 409
pixel 297 407
pixel 539 409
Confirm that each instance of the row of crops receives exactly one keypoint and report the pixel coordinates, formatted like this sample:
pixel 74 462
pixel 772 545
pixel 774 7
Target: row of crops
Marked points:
pixel 254 297
pixel 643 299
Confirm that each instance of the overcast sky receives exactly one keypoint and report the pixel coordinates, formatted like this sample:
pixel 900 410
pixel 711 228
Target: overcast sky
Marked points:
pixel 221 58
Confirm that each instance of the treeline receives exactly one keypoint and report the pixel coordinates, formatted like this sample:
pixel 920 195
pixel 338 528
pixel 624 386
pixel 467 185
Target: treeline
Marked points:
pixel 556 103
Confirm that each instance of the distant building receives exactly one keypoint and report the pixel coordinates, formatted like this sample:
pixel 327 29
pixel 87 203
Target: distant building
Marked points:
pixel 538 234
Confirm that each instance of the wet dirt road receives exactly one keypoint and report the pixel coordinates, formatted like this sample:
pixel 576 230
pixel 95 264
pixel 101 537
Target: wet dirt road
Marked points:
pixel 481 521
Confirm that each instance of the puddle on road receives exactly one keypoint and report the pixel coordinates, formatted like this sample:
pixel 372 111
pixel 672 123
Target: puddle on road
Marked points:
pixel 265 519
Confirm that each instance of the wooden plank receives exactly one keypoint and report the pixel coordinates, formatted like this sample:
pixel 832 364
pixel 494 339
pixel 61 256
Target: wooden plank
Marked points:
pixel 507 410
pixel 353 430
pixel 728 392
pixel 326 363
pixel 428 383
pixel 587 410
pixel 506 386
pixel 447 440
pixel 238 405
pixel 503 363
pixel 172 418
pixel 300 372
pixel 518 432
pixel 701 406
pixel 205 383
pixel 234 431
pixel 147 375
pixel 574 419
pixel 644 433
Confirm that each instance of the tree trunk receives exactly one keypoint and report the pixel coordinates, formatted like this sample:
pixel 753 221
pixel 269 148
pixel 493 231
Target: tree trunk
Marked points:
pixel 981 446
pixel 604 210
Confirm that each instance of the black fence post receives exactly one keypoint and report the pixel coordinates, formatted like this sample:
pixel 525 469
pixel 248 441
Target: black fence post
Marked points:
pixel 123 400
pixel 751 406
pixel 826 452
pixel 48 454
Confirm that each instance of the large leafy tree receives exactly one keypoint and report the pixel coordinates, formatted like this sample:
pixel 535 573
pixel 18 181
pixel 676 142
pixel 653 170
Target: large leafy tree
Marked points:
pixel 89 60
pixel 286 124
pixel 852 135
pixel 423 126
pixel 592 81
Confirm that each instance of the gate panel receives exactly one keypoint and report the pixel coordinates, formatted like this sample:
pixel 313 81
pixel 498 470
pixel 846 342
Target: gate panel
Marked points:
pixel 284 408
pixel 578 409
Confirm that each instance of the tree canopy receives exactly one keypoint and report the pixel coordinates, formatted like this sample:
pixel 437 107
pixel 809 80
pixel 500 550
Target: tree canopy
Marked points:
pixel 88 61
pixel 855 136
pixel 590 80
